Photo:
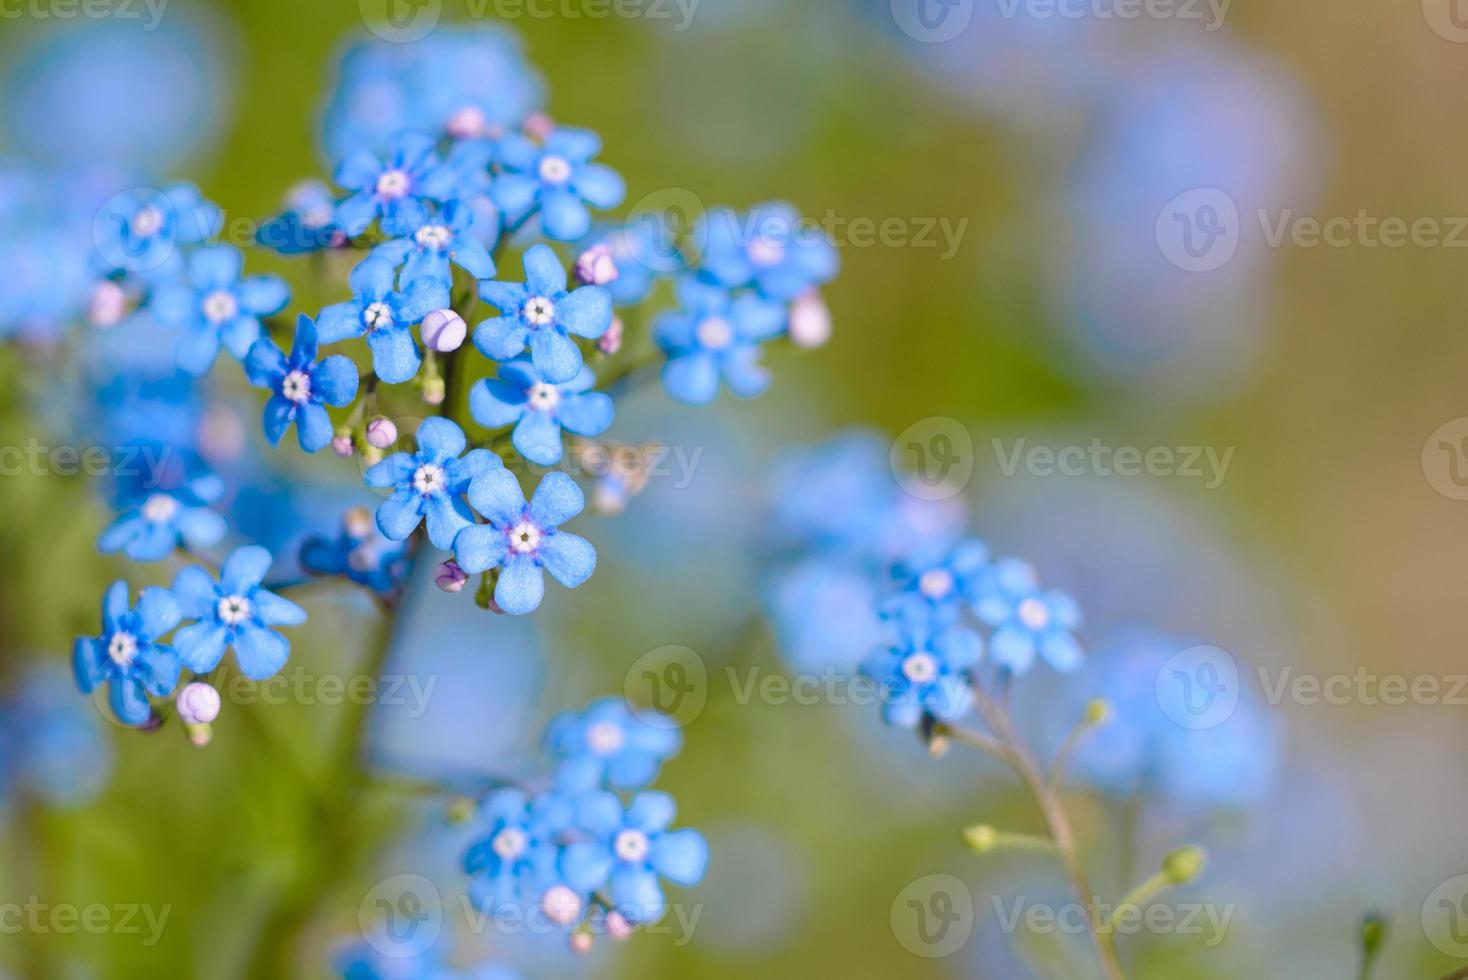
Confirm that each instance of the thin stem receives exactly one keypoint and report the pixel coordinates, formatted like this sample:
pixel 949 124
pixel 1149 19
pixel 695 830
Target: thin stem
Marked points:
pixel 1058 824
pixel 972 737
pixel 1141 895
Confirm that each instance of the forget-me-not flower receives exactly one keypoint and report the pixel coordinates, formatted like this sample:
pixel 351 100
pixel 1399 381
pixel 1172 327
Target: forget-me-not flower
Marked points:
pixel 385 316
pixel 127 656
pixel 630 849
pixel 301 388
pixel 234 612
pixel 715 335
pixel 1027 620
pixel 360 552
pixel 542 313
pixel 155 516
pixel 216 306
pixel 431 483
pixel 431 242
pixel 926 672
pixel 559 177
pixel 769 248
pixel 396 188
pixel 139 231
pixel 610 745
pixel 539 410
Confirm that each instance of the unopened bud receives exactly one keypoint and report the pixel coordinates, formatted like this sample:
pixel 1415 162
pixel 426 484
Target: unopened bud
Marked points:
pixel 581 942
pixel 611 341
pixel 618 927
pixel 342 443
pixel 198 704
pixel 450 577
pixel 1184 864
pixel 381 433
pixel 980 838
pixel 810 320
pixel 539 126
pixel 107 305
pixel 467 123
pixel 444 331
pixel 1098 712
pixel 596 267
pixel 434 391
pixel 358 522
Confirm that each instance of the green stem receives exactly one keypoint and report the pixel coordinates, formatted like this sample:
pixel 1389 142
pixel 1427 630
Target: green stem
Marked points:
pixel 1058 824
pixel 1141 895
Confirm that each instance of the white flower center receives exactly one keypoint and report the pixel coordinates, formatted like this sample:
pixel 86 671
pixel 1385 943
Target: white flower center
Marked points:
pixel 122 648
pixel 220 306
pixel 296 387
pixel 605 737
pixel 1034 614
pixel 936 583
pixel 434 236
pixel 544 397
pixel 429 479
pixel 377 316
pixel 715 333
pixel 554 170
pixel 160 508
pixel 524 537
pixel 920 668
pixel 233 610
pixel 147 220
pixel 562 906
pixel 631 846
pixel 765 251
pixel 393 184
pixel 538 310
pixel 363 558
pixel 510 843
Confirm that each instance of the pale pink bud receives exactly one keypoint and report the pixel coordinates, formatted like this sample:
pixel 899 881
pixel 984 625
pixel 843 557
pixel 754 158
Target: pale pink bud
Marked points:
pixel 539 126
pixel 611 341
pixel 618 927
pixel 107 305
pixel 198 704
pixel 596 267
pixel 434 391
pixel 581 942
pixel 381 433
pixel 342 444
pixel 810 320
pixel 444 330
pixel 467 123
pixel 450 577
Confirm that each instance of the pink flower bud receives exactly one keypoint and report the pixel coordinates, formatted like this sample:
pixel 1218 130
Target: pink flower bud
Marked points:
pixel 539 126
pixel 810 320
pixel 581 942
pixel 444 330
pixel 467 123
pixel 342 444
pixel 381 433
pixel 596 267
pixel 450 577
pixel 618 927
pixel 107 305
pixel 434 391
pixel 198 704
pixel 611 341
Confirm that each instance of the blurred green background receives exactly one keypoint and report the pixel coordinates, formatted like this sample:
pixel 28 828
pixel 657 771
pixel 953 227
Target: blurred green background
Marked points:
pixel 1327 547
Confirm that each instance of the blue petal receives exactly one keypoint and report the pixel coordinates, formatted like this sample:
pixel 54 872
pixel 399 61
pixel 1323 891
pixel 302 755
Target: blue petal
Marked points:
pixel 421 298
pixel 501 338
pixel 357 170
pixel 240 334
pixel 544 274
pixel 574 144
pixel 440 439
pixel 215 267
pixel 681 856
pixel 197 349
pixel 521 586
pixel 128 701
pixel 399 514
pixel 307 341
pixel 563 216
pixel 556 500
pixel 514 194
pixel 556 356
pixel 313 427
pixel 599 185
pixel 195 592
pixel 636 894
pixel 265 364
pixel 201 645
pixel 280 412
pixel 479 548
pixel 496 494
pixel 507 297
pixel 495 404
pixel 586 415
pixel 335 380
pixel 585 865
pixel 263 295
pixel 395 356
pixel 372 280
pixel 394 471
pixel 88 663
pixel 260 652
pixel 276 610
pixel 692 379
pixel 569 558
pixel 473 258
pixel 244 570
pixel 1012 647
pixel 651 812
pixel 444 521
pixel 340 321
pixel 587 312
pixel 538 438
pixel 201 527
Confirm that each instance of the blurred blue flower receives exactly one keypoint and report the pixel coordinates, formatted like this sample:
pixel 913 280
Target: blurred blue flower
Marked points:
pixel 523 538
pixel 217 306
pixel 610 746
pixel 361 553
pixel 430 483
pixel 234 612
pixel 385 316
pixel 937 584
pixel 925 673
pixel 308 223
pixel 715 335
pixel 559 178
pixel 159 510
pixel 58 749
pixel 300 387
pixel 397 188
pixel 127 655
pixel 770 248
pixel 513 859
pixel 630 850
pixel 140 231
pixel 542 313
pixel 1027 620
pixel 539 410
pixel 824 614
pixel 431 241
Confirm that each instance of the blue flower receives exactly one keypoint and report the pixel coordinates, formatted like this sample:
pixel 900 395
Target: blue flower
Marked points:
pixel 61 754
pixel 925 673
pixel 216 306
pixel 1026 620
pixel 540 410
pixel 300 387
pixel 937 583
pixel 629 850
pixel 430 484
pixel 128 656
pixel 429 244
pixel 156 513
pixel 361 553
pixel 768 248
pixel 559 177
pixel 522 538
pixel 610 745
pixel 385 316
pixel 514 857
pixel 234 612
pixel 139 231
pixel 396 189
pixel 308 223
pixel 542 313
pixel 714 335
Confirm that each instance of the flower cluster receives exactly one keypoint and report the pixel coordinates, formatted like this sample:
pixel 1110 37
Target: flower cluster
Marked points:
pixel 589 852
pixel 234 612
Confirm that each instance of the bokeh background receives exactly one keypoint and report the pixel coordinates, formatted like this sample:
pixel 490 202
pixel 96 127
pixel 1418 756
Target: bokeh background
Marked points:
pixel 1029 286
